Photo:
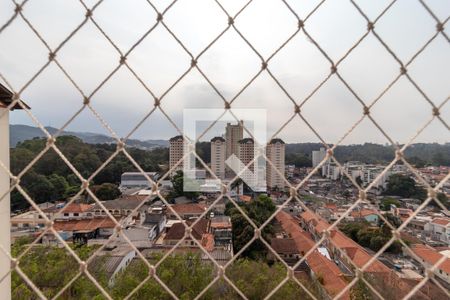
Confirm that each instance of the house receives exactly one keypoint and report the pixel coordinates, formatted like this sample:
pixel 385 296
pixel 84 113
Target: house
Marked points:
pixel 439 229
pixel 111 261
pixel 186 211
pixel 348 254
pixel 178 231
pixel 287 249
pixel 81 230
pixel 364 214
pixel 155 222
pixel 121 207
pixel 402 213
pixel 325 271
pixel 221 228
pixel 72 211
pixel 429 257
pixel 27 220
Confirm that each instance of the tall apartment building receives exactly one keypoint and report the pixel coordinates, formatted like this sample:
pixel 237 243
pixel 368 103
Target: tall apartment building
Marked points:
pixel 218 156
pixel 318 156
pixel 233 134
pixel 246 153
pixel 275 152
pixel 176 146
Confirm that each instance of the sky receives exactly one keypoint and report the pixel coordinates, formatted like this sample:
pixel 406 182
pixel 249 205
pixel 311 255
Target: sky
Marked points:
pixel 230 63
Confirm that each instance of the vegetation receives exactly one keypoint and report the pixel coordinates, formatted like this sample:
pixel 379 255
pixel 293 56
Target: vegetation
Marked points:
pixel 51 179
pixel 258 210
pixel 50 268
pixel 387 202
pixel 404 186
pixel 106 191
pixel 370 237
pixel 178 186
pixel 417 154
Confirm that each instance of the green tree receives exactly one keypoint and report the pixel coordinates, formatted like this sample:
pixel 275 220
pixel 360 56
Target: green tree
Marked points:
pixel 60 186
pixel 258 210
pixel 404 186
pixel 178 186
pixel 106 191
pixel 41 189
pixel 386 203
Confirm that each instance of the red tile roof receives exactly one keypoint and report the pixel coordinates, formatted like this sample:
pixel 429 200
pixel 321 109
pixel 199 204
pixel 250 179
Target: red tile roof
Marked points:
pixel 245 198
pixel 76 208
pixel 208 241
pixel 360 257
pixel 284 246
pixel 431 256
pixel 319 264
pixel 190 208
pixel 441 221
pixel 362 213
pixel 177 231
pixel 84 225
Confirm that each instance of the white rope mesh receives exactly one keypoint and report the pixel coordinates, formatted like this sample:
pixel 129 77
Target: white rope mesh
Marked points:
pixel 20 12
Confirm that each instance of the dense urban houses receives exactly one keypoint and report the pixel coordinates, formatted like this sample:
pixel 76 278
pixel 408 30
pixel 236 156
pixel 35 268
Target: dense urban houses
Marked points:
pixel 346 254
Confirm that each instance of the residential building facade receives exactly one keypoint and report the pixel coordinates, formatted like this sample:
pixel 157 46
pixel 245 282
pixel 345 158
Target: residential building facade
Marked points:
pixel 176 151
pixel 218 152
pixel 275 152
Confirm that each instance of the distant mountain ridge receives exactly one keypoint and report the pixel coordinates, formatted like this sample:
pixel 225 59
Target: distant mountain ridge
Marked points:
pixel 20 133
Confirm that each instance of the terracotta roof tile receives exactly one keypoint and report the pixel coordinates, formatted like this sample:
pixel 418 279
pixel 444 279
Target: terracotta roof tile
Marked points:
pixel 441 221
pixel 431 256
pixel 76 208
pixel 84 225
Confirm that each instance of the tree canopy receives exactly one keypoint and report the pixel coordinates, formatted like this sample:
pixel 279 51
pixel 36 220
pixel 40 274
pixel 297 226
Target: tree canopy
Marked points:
pixel 50 178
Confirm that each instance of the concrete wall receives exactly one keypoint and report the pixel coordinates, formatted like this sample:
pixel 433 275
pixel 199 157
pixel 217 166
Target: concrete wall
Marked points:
pixel 5 285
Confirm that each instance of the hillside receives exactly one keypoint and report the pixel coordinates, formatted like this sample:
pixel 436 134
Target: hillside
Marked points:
pixel 20 133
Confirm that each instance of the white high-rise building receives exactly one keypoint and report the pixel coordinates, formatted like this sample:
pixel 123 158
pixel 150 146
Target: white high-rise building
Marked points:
pixel 176 151
pixel 218 156
pixel 318 156
pixel 275 152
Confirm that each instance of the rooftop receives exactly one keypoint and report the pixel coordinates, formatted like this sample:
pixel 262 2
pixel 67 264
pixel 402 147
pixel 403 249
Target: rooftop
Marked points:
pixel 193 208
pixel 84 225
pixel 285 246
pixel 217 138
pixel 431 256
pixel 178 230
pixel 6 98
pixel 441 221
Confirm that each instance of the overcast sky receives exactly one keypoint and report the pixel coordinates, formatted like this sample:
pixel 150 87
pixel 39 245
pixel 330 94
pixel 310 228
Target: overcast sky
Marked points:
pixel 88 57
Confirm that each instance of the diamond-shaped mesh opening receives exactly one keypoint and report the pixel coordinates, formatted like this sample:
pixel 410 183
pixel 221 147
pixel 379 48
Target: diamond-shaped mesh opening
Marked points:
pixel 155 58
